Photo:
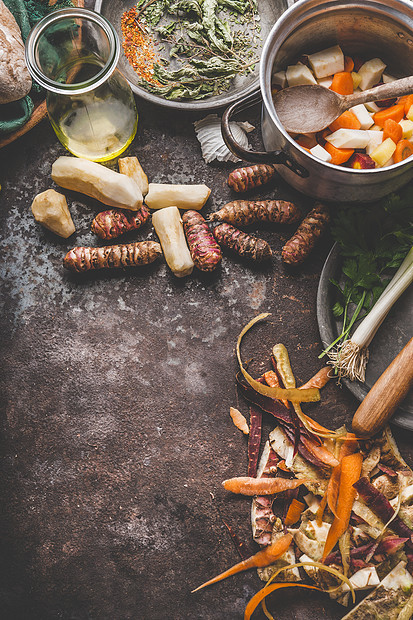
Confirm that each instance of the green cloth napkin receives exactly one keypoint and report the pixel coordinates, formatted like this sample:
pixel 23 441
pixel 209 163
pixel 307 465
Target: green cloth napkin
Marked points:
pixel 26 12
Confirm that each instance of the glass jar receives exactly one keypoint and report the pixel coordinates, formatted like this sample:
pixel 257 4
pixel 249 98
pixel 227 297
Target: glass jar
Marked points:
pixel 73 54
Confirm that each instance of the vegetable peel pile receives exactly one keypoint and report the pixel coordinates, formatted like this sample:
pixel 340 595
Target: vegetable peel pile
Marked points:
pixel 331 513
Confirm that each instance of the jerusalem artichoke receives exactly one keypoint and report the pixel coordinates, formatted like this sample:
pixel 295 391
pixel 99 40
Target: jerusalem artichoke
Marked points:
pixel 313 226
pixel 245 245
pixel 249 177
pixel 130 166
pixel 245 212
pixel 115 222
pixel 205 251
pixel 50 209
pixel 125 255
pixel 168 226
pixel 97 181
pixel 161 195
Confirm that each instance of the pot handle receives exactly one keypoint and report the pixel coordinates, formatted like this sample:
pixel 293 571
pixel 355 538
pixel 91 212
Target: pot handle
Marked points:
pixel 259 157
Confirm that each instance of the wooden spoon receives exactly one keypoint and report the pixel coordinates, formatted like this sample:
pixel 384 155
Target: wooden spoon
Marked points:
pixel 386 394
pixel 311 108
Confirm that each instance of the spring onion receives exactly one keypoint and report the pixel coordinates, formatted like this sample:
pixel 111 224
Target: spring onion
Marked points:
pixel 350 357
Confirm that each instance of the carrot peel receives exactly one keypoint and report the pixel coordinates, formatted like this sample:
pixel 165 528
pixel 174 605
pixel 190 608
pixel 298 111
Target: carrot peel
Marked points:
pixel 264 592
pixel 294 512
pixel 263 558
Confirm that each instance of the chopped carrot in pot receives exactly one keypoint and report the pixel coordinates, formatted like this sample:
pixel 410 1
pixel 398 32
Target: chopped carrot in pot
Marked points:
pixel 392 130
pixel 342 83
pixel 404 149
pixel 338 156
pixel 348 64
pixel 395 112
pixel 347 120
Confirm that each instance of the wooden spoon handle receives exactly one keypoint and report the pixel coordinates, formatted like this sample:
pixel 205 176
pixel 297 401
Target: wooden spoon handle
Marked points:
pixel 386 394
pixel 404 86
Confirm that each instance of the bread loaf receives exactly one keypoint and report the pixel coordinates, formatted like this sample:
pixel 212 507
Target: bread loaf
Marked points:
pixel 15 80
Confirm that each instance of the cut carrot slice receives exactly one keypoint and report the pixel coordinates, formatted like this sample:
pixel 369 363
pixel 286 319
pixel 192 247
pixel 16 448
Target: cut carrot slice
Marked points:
pixel 294 512
pixel 392 130
pixel 395 112
pixel 407 101
pixel 342 83
pixel 338 156
pixel 404 149
pixel 347 120
pixel 348 64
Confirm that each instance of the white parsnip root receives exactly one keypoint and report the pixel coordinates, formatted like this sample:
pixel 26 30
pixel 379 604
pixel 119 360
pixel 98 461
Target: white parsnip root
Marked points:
pixel 162 195
pixel 50 209
pixel 131 167
pixel 168 226
pixel 97 181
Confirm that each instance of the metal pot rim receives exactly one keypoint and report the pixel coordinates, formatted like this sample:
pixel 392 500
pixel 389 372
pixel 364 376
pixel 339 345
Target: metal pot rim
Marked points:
pixel 268 102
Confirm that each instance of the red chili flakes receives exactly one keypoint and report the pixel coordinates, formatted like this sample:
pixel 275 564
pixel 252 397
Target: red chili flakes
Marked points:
pixel 138 46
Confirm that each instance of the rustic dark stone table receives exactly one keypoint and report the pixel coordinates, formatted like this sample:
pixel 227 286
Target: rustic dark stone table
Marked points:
pixel 115 396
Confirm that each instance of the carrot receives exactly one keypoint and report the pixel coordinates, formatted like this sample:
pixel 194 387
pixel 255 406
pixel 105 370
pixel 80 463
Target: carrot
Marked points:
pixel 342 83
pixel 347 120
pixel 263 558
pixel 404 149
pixel 320 452
pixel 338 156
pixel 239 420
pixel 260 486
pixel 271 379
pixel 319 380
pixel 264 592
pixel 407 101
pixel 294 512
pixel 205 251
pixel 321 509
pixel 348 447
pixel 349 474
pixel 348 64
pixel 125 255
pixel 249 177
pixel 392 130
pixel 115 222
pixel 395 112
pixel 244 245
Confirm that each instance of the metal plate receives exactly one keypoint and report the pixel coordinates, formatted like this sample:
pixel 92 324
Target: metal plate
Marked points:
pixel 393 335
pixel 269 11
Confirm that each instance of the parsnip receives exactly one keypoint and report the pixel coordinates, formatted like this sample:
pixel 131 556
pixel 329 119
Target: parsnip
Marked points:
pixel 168 226
pixel 50 209
pixel 97 181
pixel 132 168
pixel 182 196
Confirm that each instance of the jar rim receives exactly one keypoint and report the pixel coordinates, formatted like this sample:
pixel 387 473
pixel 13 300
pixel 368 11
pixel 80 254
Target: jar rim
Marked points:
pixel 75 88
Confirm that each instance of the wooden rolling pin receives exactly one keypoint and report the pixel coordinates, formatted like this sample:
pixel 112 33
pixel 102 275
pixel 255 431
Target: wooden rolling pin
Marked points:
pixel 386 394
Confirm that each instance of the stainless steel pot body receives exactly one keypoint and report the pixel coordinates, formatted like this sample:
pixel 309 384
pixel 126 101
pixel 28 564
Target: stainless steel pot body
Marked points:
pixel 372 28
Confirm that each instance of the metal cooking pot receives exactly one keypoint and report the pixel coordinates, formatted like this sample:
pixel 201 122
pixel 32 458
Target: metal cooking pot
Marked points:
pixel 372 28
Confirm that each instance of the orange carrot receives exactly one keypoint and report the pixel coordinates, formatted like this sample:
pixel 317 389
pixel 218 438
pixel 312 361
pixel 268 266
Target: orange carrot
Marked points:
pixel 264 592
pixel 281 465
pixel 342 83
pixel 263 558
pixel 347 120
pixel 349 474
pixel 404 149
pixel 320 452
pixel 321 509
pixel 348 64
pixel 392 130
pixel 315 425
pixel 338 156
pixel 294 512
pixel 322 377
pixel 271 379
pixel 407 101
pixel 395 112
pixel 260 486
pixel 348 447
pixel 239 420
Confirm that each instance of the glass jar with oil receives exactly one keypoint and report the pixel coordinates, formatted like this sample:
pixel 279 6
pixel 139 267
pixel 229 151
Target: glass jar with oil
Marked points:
pixel 73 54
